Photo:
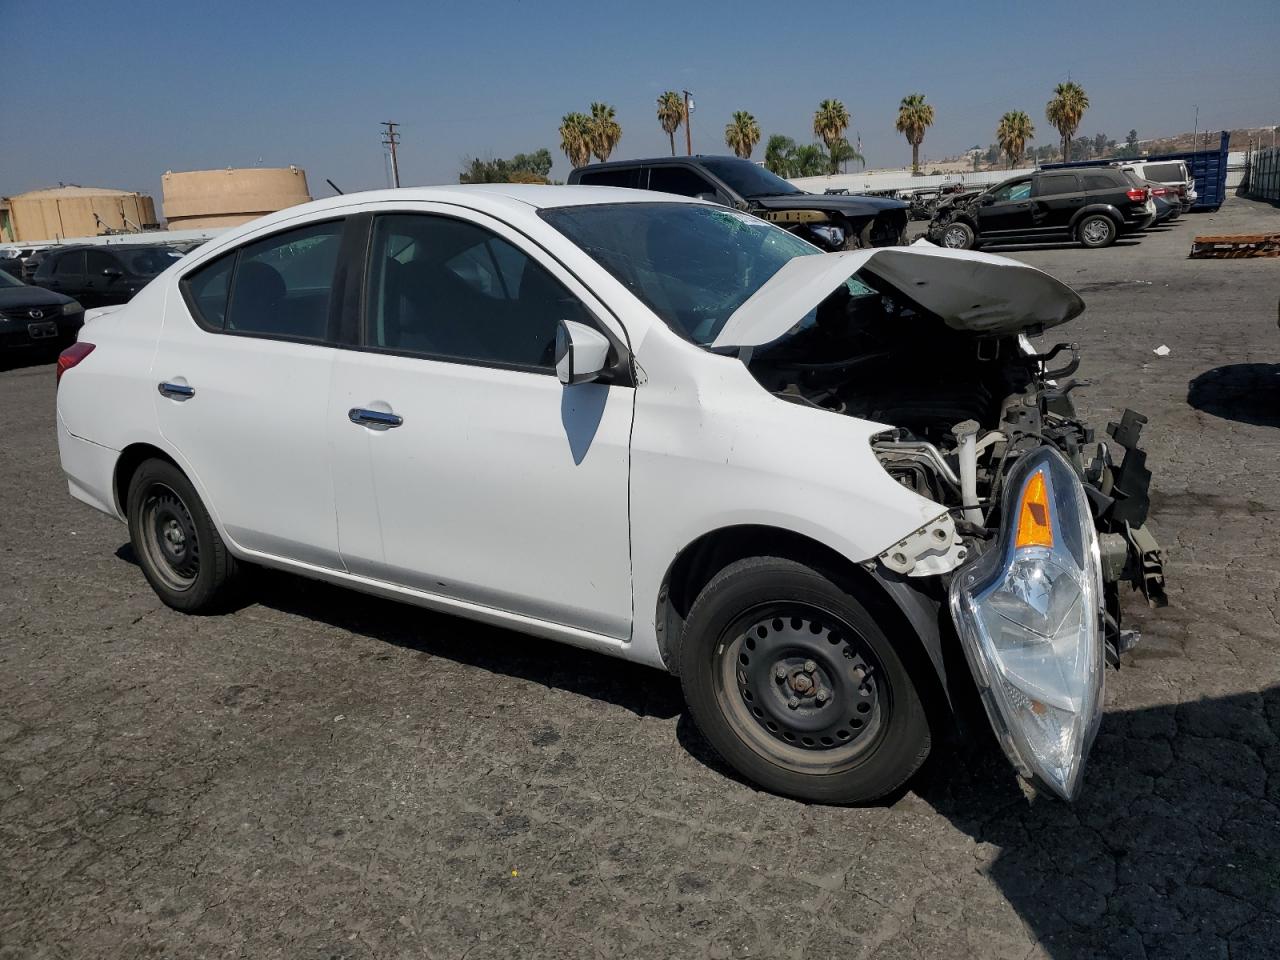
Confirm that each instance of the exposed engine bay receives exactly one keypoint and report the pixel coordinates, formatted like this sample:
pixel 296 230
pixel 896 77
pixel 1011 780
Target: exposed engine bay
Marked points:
pixel 964 406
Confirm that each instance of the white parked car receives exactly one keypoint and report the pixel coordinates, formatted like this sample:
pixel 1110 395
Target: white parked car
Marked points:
pixel 648 426
pixel 1172 174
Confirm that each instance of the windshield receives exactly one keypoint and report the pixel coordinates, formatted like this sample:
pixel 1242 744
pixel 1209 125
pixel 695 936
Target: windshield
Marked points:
pixel 691 264
pixel 8 280
pixel 150 261
pixel 746 179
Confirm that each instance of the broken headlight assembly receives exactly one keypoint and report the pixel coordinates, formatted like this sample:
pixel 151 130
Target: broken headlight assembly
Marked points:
pixel 1029 614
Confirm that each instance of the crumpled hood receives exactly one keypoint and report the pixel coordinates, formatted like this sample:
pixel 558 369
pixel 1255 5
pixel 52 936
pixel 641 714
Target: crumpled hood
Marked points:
pixel 977 292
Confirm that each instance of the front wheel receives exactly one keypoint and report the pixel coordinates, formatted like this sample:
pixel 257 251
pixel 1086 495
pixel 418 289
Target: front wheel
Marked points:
pixel 1097 230
pixel 178 547
pixel 959 236
pixel 797 687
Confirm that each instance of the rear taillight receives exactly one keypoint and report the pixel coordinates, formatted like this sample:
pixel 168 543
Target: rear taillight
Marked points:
pixel 69 357
pixel 1158 191
pixel 1138 194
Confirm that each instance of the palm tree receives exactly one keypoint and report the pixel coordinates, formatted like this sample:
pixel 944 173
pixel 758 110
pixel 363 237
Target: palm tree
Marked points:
pixel 809 161
pixel 742 133
pixel 1014 131
pixel 604 132
pixel 1065 112
pixel 829 123
pixel 671 115
pixel 843 152
pixel 914 117
pixel 779 155
pixel 575 138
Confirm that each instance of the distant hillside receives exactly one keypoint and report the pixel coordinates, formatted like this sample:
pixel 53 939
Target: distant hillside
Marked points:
pixel 1188 141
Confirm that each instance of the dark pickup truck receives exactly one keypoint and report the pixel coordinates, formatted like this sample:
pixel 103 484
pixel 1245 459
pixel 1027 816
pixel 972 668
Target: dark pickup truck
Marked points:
pixel 831 221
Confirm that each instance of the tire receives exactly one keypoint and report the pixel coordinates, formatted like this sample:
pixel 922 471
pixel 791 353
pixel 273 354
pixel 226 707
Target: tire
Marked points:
pixel 958 235
pixel 179 549
pixel 757 629
pixel 1096 230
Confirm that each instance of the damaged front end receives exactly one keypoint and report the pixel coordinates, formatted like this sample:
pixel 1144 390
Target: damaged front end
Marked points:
pixel 933 344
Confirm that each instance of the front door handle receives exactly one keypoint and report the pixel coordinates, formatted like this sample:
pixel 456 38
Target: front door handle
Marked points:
pixel 374 418
pixel 175 391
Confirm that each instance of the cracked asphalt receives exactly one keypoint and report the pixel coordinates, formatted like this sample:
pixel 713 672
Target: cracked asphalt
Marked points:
pixel 322 775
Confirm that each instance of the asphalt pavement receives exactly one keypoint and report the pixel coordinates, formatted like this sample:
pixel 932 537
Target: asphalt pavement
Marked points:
pixel 323 775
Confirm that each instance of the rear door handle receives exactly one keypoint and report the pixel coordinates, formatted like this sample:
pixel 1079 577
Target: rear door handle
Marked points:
pixel 374 418
pixel 175 391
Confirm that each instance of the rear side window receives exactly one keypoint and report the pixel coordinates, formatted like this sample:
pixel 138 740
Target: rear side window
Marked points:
pixel 277 287
pixel 1098 181
pixel 1057 183
pixel 626 177
pixel 69 263
pixel 207 290
pixel 1166 172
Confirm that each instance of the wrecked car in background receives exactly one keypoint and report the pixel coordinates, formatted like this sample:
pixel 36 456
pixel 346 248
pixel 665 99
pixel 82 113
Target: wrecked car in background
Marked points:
pixel 830 221
pixel 655 428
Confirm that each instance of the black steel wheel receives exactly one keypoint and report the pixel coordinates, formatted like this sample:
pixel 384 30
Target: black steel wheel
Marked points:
pixel 175 541
pixel 803 683
pixel 794 683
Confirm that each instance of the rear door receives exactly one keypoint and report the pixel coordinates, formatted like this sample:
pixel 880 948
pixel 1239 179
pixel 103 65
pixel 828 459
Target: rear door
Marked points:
pixel 462 466
pixel 242 373
pixel 104 278
pixel 1056 199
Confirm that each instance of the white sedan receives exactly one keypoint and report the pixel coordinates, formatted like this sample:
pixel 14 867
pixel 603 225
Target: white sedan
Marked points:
pixel 647 426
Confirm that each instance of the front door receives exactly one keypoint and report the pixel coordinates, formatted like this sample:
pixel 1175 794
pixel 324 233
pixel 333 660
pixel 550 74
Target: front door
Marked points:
pixel 103 279
pixel 1006 211
pixel 462 467
pixel 242 373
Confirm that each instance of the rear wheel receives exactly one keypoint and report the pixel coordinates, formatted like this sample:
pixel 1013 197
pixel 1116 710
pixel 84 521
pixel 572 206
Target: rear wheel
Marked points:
pixel 1096 230
pixel 178 547
pixel 797 687
pixel 958 235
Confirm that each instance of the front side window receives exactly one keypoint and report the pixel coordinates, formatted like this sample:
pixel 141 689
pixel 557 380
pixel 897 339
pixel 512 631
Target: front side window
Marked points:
pixel 679 180
pixel 453 290
pixel 1018 190
pixel 692 265
pixel 150 261
pixel 100 263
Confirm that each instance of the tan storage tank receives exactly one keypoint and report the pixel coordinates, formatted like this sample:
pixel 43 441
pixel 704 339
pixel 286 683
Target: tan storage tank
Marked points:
pixel 228 198
pixel 62 212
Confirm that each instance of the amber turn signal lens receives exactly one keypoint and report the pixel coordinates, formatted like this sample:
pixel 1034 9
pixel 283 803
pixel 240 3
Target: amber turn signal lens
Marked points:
pixel 1035 529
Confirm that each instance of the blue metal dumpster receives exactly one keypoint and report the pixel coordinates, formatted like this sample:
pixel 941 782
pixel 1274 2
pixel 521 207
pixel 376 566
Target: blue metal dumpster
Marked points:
pixel 1207 167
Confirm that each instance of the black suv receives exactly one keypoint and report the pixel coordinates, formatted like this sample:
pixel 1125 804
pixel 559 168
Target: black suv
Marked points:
pixel 1092 206
pixel 100 275
pixel 831 221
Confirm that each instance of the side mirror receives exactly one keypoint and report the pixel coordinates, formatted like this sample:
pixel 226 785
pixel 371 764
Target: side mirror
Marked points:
pixel 581 353
pixel 987 201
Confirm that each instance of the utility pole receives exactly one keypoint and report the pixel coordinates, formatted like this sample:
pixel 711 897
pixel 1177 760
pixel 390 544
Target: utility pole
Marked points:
pixel 390 138
pixel 688 124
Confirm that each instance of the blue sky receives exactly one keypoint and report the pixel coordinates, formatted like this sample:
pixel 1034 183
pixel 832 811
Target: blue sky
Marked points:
pixel 114 95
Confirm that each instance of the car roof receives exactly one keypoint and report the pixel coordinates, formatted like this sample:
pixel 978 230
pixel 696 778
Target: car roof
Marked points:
pixel 662 161
pixel 519 197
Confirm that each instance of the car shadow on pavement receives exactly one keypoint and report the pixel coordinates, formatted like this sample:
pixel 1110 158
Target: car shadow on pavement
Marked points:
pixel 641 691
pixel 1065 245
pixel 18 359
pixel 1171 850
pixel 1245 392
